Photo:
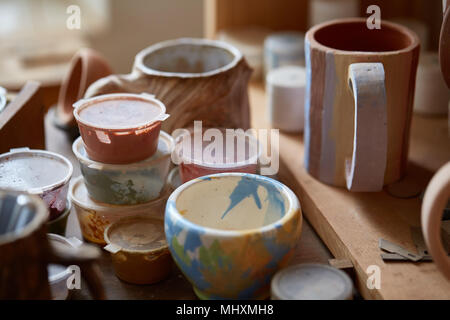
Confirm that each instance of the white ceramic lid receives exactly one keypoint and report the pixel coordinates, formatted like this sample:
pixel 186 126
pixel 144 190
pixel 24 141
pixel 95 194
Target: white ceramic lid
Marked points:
pixel 136 234
pixel 311 282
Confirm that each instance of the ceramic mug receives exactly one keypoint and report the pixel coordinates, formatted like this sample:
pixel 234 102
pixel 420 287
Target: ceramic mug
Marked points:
pixel 359 97
pixel 25 251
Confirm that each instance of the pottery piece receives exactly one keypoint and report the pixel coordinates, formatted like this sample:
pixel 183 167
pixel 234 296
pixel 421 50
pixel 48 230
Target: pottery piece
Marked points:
pixel 311 281
pixel 120 128
pixel 197 157
pixel 39 172
pixel 249 41
pixel 127 184
pixel 359 99
pixel 59 224
pixel 434 202
pixel 432 94
pixel 285 89
pixel 325 10
pixel 139 250
pixel 229 233
pixel 196 79
pixel 86 67
pixel 57 274
pixel 26 253
pixel 94 217
pixel 444 43
pixel 3 99
pixel 285 48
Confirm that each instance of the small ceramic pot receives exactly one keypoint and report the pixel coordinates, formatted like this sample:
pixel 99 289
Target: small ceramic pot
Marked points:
pixel 284 49
pixel 229 233
pixel 39 172
pixel 194 164
pixel 286 87
pixel 94 216
pixel 86 67
pixel 133 183
pixel 139 250
pixel 58 225
pixel 118 129
pixel 57 274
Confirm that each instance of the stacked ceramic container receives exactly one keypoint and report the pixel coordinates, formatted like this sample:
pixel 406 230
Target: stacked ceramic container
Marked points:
pixel 124 159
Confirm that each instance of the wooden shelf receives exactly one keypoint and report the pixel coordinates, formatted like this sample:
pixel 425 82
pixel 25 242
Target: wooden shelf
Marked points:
pixel 351 224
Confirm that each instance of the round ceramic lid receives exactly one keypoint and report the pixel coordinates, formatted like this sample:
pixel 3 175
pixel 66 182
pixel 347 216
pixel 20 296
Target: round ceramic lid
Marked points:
pixel 33 170
pixel 137 234
pixel 311 282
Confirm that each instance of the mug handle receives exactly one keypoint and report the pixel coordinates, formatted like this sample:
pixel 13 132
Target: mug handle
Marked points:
pixel 434 201
pixel 116 83
pixel 365 170
pixel 83 256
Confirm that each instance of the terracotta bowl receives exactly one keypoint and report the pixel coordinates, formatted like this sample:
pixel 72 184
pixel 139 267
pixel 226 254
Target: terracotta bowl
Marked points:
pixel 123 143
pixel 230 232
pixel 86 67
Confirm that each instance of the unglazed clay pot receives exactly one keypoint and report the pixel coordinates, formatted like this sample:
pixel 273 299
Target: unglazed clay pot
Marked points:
pixel 230 232
pixel 435 200
pixel 86 67
pixel 196 79
pixel 359 100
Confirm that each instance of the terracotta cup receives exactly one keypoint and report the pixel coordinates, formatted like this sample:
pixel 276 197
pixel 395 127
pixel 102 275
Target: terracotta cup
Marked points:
pixel 25 251
pixel 196 79
pixel 435 200
pixel 359 98
pixel 86 67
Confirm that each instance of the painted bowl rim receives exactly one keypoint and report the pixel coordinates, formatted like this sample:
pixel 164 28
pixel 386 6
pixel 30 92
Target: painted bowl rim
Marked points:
pixel 149 162
pixel 292 198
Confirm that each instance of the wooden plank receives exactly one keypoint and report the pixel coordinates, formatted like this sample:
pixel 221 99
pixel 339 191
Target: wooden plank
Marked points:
pixel 22 121
pixel 351 224
pixel 276 15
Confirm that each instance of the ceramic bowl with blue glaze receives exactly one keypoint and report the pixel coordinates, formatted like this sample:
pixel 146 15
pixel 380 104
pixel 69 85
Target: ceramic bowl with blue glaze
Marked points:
pixel 126 184
pixel 229 233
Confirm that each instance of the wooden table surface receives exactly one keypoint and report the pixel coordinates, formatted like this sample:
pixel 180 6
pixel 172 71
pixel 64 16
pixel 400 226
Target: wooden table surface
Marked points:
pixel 310 248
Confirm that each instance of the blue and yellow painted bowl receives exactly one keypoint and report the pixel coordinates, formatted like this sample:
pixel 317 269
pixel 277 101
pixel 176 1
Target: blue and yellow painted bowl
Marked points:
pixel 229 233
